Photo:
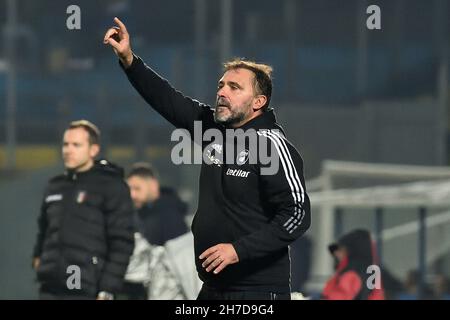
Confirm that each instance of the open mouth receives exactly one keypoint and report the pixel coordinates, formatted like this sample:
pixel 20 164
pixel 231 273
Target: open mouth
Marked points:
pixel 220 109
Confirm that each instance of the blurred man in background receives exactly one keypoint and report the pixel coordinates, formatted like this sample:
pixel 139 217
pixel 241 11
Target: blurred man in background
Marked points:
pixel 160 216
pixel 441 288
pixel 161 213
pixel 85 235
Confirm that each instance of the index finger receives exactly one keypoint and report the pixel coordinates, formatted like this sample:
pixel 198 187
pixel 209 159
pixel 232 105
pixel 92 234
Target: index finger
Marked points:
pixel 207 252
pixel 109 33
pixel 121 25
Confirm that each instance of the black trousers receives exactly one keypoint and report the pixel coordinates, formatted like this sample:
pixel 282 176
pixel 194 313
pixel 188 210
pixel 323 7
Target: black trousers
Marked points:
pixel 208 293
pixel 47 292
pixel 62 296
pixel 132 291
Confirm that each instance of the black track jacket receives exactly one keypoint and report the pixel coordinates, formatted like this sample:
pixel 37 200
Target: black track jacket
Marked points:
pixel 260 215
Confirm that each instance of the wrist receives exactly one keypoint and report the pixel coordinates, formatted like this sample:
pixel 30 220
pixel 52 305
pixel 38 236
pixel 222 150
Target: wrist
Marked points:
pixel 127 60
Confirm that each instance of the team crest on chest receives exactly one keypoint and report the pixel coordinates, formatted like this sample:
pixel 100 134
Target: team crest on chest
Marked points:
pixel 81 197
pixel 242 157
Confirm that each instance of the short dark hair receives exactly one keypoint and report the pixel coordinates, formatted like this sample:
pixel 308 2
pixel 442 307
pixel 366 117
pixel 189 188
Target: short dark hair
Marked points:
pixel 143 170
pixel 263 76
pixel 92 130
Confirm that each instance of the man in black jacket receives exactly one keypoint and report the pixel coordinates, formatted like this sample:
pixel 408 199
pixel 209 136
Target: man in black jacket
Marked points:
pixel 247 216
pixel 85 235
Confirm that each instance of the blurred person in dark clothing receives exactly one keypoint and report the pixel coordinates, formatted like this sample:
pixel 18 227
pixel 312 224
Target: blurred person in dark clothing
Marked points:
pixel 410 286
pixel 160 212
pixel 86 222
pixel 159 217
pixel 353 254
pixel 391 285
pixel 412 290
pixel 441 288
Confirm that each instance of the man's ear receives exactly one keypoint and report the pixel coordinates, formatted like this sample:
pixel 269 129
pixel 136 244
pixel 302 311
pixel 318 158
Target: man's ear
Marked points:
pixel 94 150
pixel 259 102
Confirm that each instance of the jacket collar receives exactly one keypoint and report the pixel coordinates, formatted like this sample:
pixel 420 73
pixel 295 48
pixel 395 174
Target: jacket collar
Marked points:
pixel 267 120
pixel 99 166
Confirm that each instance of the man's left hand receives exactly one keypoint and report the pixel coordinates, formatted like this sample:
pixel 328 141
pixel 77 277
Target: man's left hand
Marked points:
pixel 218 257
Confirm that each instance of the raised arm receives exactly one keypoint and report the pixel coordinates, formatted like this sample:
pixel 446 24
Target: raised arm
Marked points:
pixel 178 109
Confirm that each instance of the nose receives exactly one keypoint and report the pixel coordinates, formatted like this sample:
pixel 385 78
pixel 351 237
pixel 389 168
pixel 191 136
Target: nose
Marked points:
pixel 222 98
pixel 221 92
pixel 67 150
